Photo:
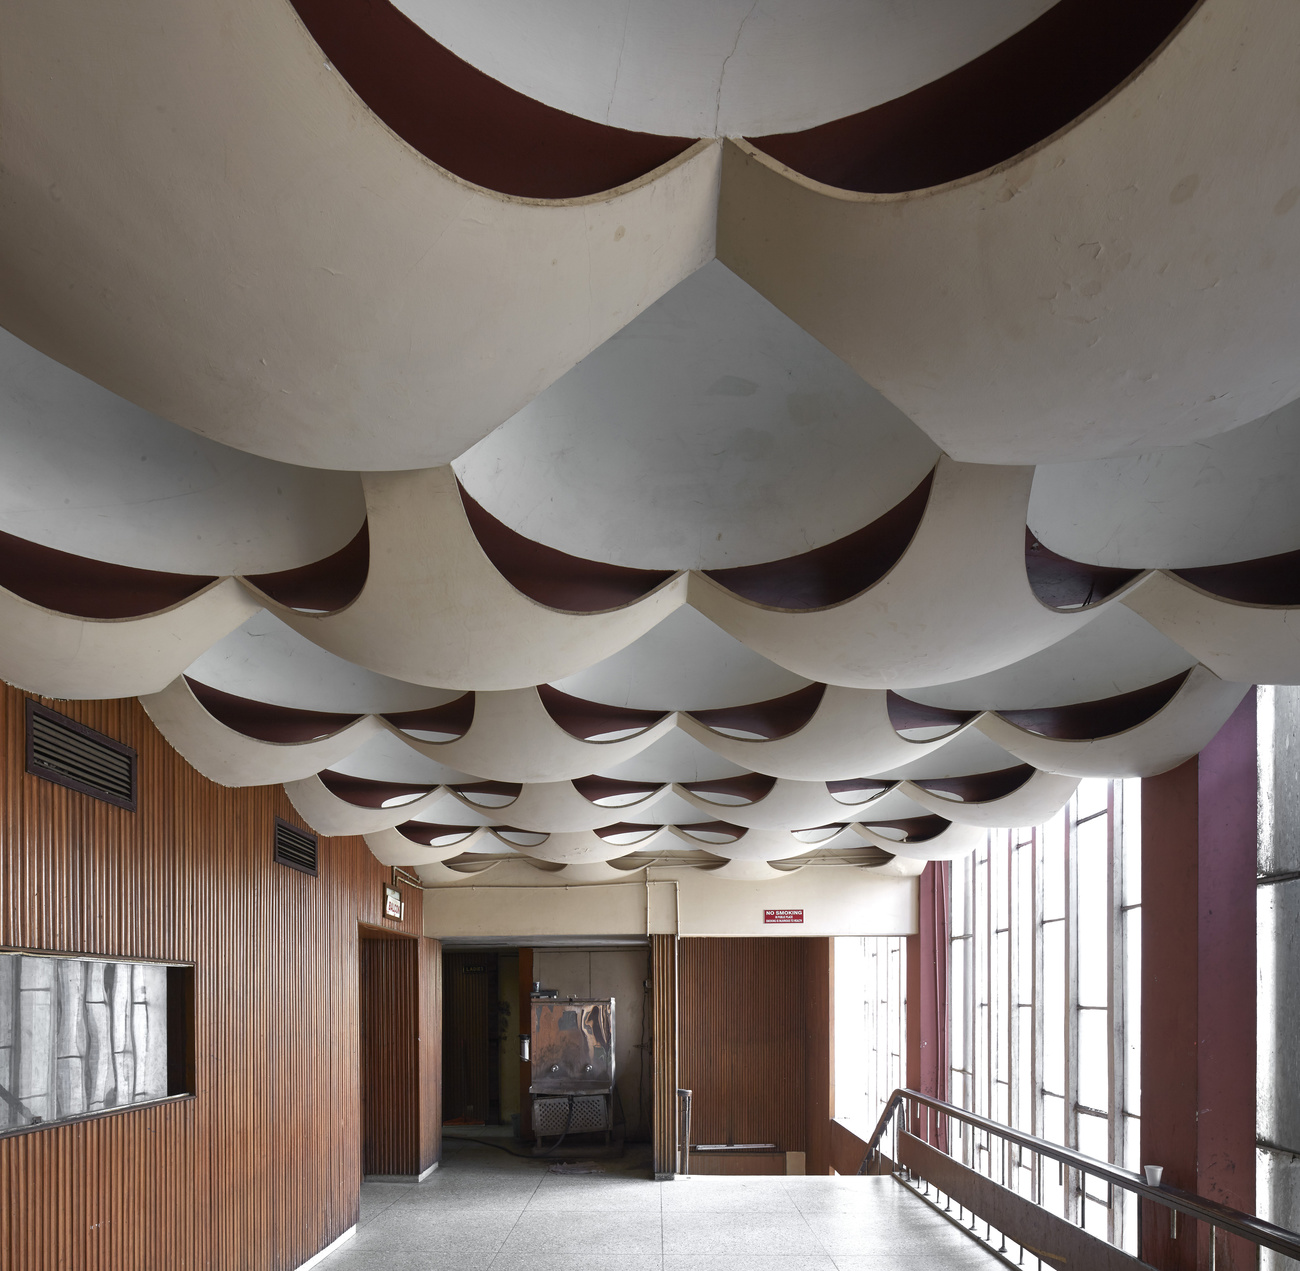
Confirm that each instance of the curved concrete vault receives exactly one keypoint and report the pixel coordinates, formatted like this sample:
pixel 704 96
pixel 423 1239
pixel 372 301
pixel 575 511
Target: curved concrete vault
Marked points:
pixel 1123 285
pixel 518 463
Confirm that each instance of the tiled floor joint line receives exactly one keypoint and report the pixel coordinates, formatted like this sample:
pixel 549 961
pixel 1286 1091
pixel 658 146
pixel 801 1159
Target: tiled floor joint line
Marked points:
pixel 486 1210
pixel 513 1225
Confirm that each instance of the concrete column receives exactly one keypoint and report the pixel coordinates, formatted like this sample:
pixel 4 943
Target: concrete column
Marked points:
pixel 1198 988
pixel 1278 1104
pixel 927 989
pixel 819 1025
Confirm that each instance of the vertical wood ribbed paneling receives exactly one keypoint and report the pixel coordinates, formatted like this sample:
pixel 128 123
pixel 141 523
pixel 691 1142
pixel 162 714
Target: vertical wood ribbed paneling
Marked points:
pixel 390 1122
pixel 753 1041
pixel 262 1168
pixel 819 1049
pixel 663 1006
pixel 740 1031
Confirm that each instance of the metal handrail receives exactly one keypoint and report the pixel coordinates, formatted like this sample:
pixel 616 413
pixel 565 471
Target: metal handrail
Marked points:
pixel 1223 1217
pixel 873 1143
pixel 684 1131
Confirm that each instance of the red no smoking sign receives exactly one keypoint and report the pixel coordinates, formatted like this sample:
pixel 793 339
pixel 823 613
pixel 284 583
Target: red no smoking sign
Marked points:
pixel 782 915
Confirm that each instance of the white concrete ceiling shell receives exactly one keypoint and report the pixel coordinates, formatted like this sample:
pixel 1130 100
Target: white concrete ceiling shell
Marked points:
pixel 1116 653
pixel 270 662
pixel 1111 290
pixel 1116 307
pixel 62 655
pixel 726 68
pixel 1227 498
pixel 710 431
pixel 218 229
pixel 1127 284
pixel 683 663
pixel 87 472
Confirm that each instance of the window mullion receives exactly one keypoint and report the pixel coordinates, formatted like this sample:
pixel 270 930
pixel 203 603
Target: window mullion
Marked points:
pixel 1115 1016
pixel 1071 1052
pixel 968 975
pixel 972 1042
pixel 1036 1014
pixel 1013 983
pixel 990 942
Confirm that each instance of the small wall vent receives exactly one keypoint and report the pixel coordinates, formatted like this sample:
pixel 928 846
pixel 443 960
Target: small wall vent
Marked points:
pixel 70 754
pixel 295 848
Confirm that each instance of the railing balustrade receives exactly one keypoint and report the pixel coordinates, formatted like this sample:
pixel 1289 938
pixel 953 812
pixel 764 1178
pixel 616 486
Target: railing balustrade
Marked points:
pixel 919 1130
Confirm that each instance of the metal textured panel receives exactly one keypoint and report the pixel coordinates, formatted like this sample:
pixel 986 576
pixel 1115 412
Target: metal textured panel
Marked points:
pixel 572 1046
pixel 556 1114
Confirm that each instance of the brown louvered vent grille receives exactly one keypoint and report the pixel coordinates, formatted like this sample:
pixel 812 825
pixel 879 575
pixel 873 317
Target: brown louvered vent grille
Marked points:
pixel 294 847
pixel 70 754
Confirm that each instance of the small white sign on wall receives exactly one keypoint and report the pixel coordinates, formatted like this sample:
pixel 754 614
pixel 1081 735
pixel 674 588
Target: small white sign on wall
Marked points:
pixel 394 906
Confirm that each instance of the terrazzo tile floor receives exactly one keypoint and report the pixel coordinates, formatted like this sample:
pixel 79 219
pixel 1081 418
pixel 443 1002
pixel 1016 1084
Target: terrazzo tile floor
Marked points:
pixel 484 1210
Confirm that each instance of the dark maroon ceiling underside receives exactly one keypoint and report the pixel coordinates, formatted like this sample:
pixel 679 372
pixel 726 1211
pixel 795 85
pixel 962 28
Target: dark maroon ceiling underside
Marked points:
pixel 466 121
pixel 1017 94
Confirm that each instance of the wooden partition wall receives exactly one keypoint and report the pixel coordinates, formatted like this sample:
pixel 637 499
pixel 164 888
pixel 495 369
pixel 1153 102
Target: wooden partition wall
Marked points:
pixel 754 1033
pixel 663 1007
pixel 263 1166
pixel 401 1023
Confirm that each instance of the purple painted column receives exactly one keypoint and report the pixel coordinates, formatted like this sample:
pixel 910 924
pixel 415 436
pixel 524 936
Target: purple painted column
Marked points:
pixel 1198 988
pixel 927 989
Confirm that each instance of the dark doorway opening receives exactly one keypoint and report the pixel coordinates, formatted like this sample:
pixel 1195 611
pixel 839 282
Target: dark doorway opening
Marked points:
pixel 474 1024
pixel 487 1006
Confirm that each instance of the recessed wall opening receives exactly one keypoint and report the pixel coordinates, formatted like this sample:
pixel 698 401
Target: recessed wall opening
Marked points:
pixel 388 974
pixel 85 1037
pixel 587 1005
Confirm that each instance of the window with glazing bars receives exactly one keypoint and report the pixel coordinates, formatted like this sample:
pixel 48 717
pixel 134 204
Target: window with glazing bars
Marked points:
pixel 1045 959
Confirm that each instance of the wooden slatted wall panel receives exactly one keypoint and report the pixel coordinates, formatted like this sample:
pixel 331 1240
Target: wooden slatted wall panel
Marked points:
pixel 819 1050
pixel 740 1039
pixel 390 1124
pixel 663 1005
pixel 754 1041
pixel 262 1168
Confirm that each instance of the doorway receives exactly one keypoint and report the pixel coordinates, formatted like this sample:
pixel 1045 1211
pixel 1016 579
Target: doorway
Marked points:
pixel 487 1005
pixel 471 1038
